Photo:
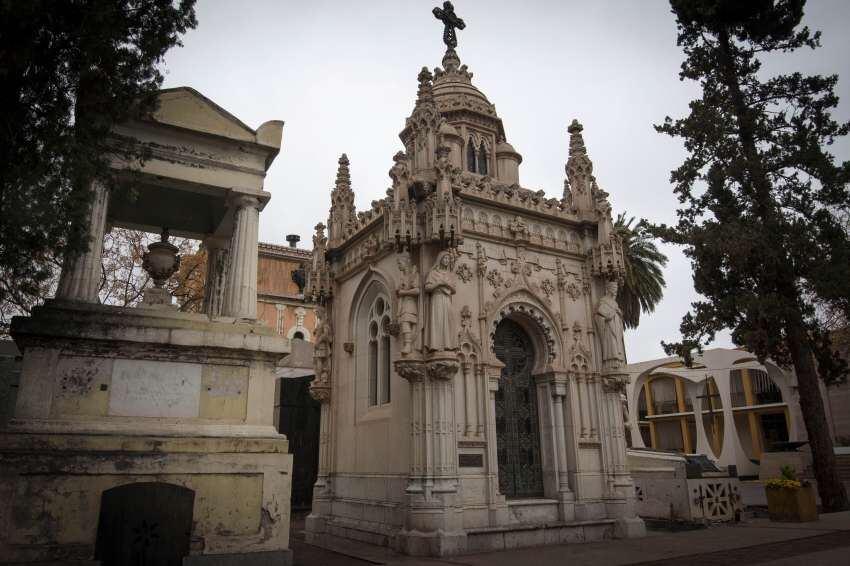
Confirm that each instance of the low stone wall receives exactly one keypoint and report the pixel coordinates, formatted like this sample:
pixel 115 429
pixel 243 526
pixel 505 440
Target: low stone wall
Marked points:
pixel 663 490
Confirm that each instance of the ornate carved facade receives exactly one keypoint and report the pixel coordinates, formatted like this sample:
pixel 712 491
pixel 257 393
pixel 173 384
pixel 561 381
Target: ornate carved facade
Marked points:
pixel 461 258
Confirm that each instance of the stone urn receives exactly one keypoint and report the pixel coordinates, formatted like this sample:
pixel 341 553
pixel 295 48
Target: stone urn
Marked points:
pixel 161 260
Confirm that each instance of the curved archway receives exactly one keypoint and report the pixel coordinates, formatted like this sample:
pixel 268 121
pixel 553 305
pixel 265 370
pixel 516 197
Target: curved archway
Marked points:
pixel 536 322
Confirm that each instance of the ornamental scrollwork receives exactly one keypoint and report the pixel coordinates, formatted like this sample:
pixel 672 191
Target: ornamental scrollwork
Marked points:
pixel 494 277
pixel 464 273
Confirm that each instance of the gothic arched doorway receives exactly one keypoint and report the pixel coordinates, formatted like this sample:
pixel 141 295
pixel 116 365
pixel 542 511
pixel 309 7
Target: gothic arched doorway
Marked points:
pixel 517 428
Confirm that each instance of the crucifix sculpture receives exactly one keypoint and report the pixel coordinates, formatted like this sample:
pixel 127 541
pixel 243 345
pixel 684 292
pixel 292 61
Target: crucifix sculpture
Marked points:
pixel 447 15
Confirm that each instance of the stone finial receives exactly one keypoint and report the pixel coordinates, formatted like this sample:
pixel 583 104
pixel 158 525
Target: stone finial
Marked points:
pixel 579 187
pixel 343 175
pixel 576 139
pixel 451 61
pixel 343 215
pixel 426 92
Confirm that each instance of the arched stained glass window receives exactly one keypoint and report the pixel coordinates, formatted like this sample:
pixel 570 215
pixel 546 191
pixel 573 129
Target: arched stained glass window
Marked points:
pixel 379 352
pixel 470 156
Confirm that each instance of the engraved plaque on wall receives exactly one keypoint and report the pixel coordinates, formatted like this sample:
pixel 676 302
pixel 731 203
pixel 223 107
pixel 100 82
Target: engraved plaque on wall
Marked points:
pixel 470 460
pixel 146 388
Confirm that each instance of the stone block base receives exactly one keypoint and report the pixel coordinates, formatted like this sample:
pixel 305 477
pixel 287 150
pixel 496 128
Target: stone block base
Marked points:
pixel 437 543
pixel 60 481
pixel 520 536
pixel 271 558
pixel 440 544
pixel 630 528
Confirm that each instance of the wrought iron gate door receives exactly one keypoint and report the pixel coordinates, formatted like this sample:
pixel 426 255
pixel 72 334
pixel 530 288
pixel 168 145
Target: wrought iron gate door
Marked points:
pixel 517 437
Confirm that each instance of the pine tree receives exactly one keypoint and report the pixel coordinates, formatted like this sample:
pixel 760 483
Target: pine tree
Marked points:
pixel 69 71
pixel 643 284
pixel 761 201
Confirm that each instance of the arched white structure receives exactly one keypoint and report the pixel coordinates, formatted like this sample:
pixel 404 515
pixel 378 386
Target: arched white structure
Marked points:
pixel 721 364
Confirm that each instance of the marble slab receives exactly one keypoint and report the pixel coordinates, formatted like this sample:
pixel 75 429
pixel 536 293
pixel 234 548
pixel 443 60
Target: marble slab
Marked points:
pixel 146 388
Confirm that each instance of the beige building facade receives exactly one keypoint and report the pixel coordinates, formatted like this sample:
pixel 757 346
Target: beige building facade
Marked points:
pixel 281 276
pixel 469 355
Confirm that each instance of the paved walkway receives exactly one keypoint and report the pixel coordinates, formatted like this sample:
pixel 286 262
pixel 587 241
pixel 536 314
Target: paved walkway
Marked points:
pixel 822 543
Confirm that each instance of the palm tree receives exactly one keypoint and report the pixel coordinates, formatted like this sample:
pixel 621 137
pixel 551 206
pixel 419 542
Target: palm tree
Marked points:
pixel 643 285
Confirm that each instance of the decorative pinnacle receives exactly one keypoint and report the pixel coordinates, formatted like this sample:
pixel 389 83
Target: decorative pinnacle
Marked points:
pixel 576 139
pixel 451 62
pixel 425 92
pixel 343 176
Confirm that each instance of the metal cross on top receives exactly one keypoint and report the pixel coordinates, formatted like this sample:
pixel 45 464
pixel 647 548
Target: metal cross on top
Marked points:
pixel 451 21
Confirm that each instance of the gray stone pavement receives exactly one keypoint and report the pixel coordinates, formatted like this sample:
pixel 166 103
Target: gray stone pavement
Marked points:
pixel 825 542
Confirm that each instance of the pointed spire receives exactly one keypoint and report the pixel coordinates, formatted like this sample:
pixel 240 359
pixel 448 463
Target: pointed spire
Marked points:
pixel 426 90
pixel 343 175
pixel 342 215
pixel 576 140
pixel 578 189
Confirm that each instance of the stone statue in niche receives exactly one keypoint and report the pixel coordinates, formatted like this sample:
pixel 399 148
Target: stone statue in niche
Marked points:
pixel 400 174
pixel 408 302
pixel 441 284
pixel 606 228
pixel 323 340
pixel 609 327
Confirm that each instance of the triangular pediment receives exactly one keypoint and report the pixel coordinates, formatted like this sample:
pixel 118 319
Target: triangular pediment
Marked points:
pixel 185 107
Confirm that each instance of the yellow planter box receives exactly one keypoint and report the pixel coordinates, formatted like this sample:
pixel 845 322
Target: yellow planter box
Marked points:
pixel 792 505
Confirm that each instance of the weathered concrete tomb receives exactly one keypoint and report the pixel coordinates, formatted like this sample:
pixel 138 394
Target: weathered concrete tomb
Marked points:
pixel 145 435
pixel 469 357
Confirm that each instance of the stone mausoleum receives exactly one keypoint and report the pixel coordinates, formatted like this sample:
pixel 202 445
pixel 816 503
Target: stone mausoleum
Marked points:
pixel 469 356
pixel 145 435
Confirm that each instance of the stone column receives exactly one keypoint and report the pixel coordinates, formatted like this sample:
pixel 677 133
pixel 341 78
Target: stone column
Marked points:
pixel 621 504
pixel 322 489
pixel 434 514
pixel 80 277
pixel 606 435
pixel 240 293
pixel 216 271
pixel 559 392
pixel 496 503
pixel 584 405
pixel 469 396
pixel 414 372
pixel 323 396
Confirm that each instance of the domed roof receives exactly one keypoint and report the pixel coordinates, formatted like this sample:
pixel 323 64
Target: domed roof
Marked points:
pixel 453 88
pixel 504 147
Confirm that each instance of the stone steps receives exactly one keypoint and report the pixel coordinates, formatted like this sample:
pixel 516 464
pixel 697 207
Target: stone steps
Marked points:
pixel 520 536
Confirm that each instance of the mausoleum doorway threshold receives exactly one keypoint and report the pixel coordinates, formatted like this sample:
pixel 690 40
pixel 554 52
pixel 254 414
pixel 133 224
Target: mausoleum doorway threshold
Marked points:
pixel 531 501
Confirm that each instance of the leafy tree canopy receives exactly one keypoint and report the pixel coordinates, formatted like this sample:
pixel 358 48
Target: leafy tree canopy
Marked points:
pixel 762 199
pixel 69 71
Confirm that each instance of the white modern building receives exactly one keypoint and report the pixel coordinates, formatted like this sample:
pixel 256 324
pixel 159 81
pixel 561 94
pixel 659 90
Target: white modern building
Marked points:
pixel 728 406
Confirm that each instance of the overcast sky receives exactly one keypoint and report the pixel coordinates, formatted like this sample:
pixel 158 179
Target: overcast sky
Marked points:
pixel 342 75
